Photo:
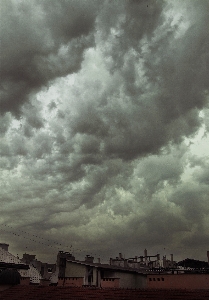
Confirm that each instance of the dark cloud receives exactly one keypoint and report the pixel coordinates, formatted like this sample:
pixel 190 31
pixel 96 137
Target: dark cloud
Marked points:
pixel 100 108
pixel 4 123
pixel 41 41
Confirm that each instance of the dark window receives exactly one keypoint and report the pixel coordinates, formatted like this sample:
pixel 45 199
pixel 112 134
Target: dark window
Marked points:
pixel 150 279
pixel 162 279
pixel 158 279
pixel 153 279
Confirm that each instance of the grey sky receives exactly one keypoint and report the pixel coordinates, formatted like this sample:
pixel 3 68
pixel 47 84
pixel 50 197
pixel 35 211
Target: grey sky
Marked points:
pixel 104 127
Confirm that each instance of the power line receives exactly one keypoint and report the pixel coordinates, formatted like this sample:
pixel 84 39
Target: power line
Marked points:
pixel 36 239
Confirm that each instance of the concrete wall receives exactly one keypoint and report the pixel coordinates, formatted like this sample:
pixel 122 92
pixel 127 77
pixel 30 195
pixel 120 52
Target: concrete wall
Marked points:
pixel 178 281
pixel 127 279
pixel 131 280
pixel 74 270
pixel 95 277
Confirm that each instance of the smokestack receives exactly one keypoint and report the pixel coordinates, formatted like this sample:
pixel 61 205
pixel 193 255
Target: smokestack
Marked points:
pixel 158 256
pixel 171 257
pixel 145 252
pixel 208 256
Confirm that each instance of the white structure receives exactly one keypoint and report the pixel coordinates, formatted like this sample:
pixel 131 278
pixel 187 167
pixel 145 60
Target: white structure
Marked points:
pixel 7 257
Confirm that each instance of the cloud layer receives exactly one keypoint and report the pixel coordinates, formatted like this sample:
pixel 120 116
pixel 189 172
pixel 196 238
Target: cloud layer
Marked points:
pixel 102 106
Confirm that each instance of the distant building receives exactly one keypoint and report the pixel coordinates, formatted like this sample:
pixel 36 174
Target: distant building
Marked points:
pixel 144 262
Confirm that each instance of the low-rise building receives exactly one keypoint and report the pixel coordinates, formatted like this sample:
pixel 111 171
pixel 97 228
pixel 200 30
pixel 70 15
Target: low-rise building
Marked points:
pixel 88 273
pixel 84 273
pixel 26 272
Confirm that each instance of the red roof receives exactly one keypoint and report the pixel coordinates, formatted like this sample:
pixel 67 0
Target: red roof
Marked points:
pixel 63 293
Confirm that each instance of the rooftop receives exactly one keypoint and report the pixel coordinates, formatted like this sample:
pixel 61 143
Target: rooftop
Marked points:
pixel 64 293
pixel 109 267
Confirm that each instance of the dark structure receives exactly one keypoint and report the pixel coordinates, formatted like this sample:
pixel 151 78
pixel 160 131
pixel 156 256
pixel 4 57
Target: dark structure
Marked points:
pixel 9 277
pixel 61 261
pixel 193 264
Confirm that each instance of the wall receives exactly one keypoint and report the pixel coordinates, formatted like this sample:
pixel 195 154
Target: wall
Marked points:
pixel 131 280
pixel 178 281
pixel 110 283
pixel 70 281
pixel 127 279
pixel 25 280
pixel 74 270
pixel 44 282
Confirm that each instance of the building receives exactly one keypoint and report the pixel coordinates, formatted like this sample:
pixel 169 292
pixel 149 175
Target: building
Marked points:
pixel 189 281
pixel 25 270
pixel 44 269
pixel 116 275
pixel 144 262
pixel 88 273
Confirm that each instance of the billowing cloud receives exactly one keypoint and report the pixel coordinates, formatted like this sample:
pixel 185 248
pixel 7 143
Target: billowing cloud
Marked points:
pixel 104 126
pixel 40 42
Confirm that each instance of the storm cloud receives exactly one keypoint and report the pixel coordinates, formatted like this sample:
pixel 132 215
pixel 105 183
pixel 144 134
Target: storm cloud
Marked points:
pixel 104 126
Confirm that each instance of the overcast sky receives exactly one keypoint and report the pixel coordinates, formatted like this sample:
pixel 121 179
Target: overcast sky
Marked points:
pixel 104 127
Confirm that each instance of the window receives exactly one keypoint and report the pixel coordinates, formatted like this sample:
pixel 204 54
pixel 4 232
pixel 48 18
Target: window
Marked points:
pixel 162 279
pixel 150 279
pixel 158 279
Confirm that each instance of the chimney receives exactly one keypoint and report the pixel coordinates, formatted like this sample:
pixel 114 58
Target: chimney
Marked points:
pixel 158 256
pixel 208 256
pixel 89 259
pixel 145 256
pixel 4 246
pixel 164 261
pixel 98 260
pixel 120 256
pixel 110 260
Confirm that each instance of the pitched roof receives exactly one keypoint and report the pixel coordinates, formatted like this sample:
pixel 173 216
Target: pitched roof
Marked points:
pixel 64 293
